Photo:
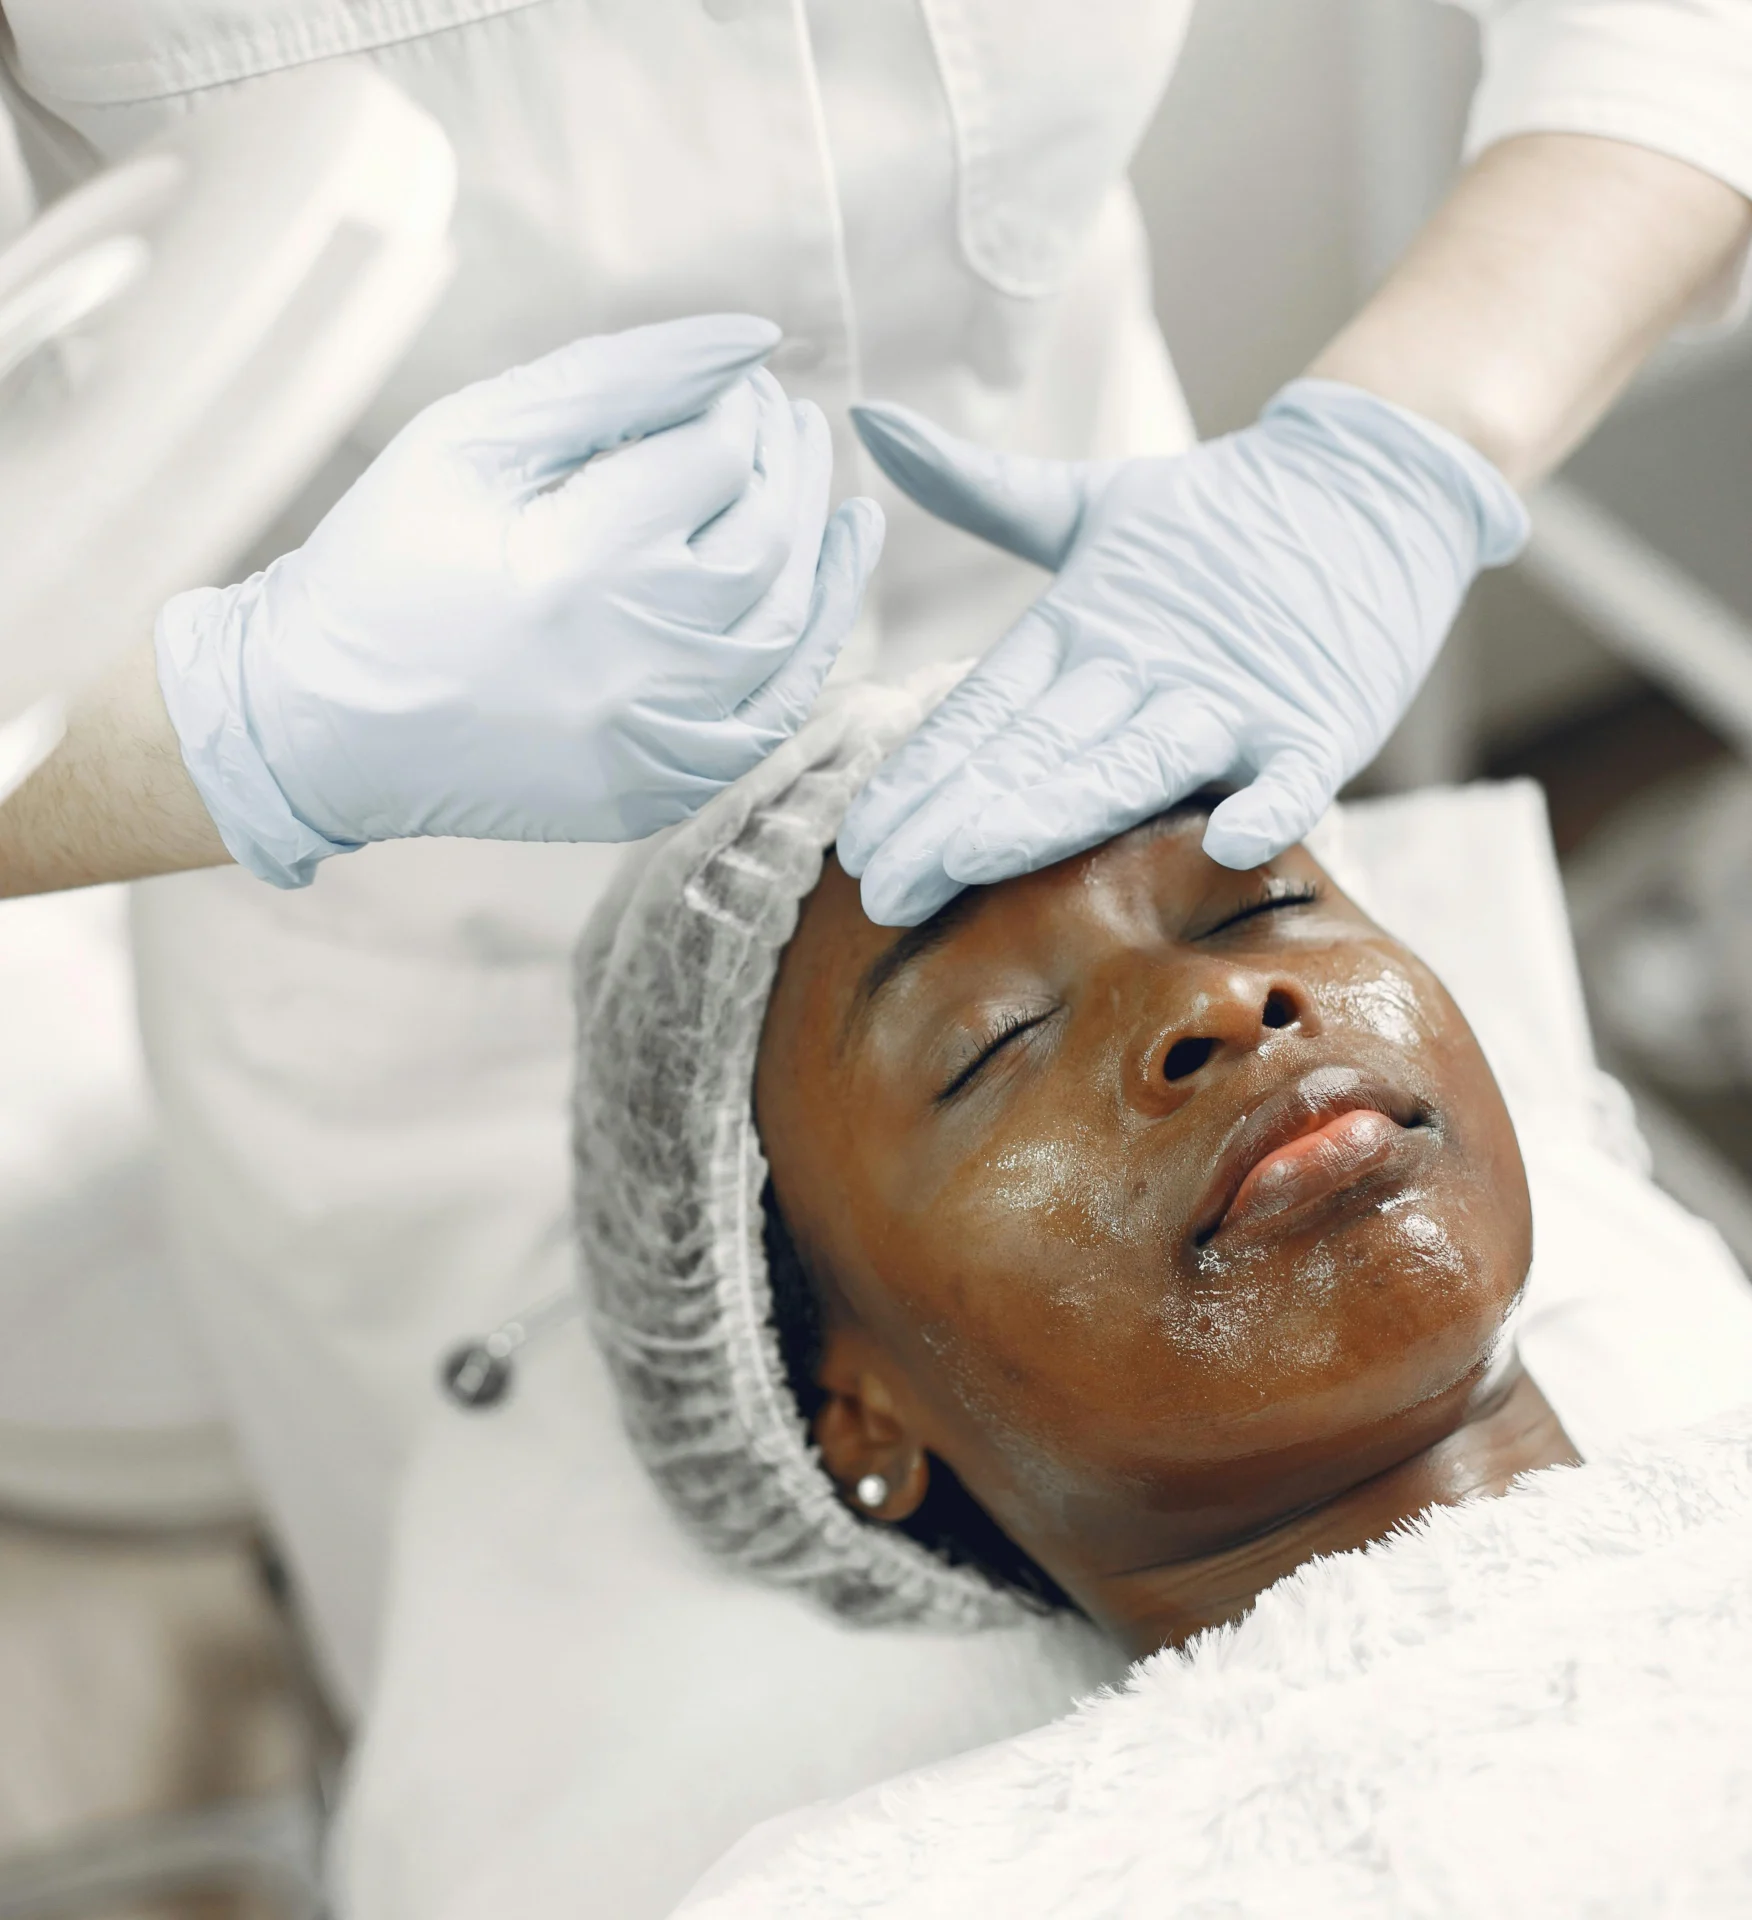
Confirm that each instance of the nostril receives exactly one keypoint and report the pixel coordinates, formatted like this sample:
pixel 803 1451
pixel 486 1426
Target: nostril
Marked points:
pixel 1187 1056
pixel 1279 1009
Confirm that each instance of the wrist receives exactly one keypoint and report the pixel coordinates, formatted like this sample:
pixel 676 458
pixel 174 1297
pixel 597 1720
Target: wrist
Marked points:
pixel 1437 471
pixel 1485 403
pixel 113 801
pixel 199 645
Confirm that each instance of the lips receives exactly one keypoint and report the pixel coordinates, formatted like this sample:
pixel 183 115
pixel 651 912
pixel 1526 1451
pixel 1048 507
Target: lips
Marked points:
pixel 1311 1140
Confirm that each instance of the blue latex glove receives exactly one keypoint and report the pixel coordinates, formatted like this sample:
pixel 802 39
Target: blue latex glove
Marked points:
pixel 496 635
pixel 1259 610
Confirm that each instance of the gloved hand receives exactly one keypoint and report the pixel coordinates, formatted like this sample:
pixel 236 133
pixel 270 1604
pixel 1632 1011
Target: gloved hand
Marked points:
pixel 1260 610
pixel 488 637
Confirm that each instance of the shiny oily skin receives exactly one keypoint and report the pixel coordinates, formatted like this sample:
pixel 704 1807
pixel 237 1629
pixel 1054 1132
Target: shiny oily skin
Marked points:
pixel 1025 1251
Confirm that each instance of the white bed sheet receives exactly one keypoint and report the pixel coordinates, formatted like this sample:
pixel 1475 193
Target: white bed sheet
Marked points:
pixel 577 1714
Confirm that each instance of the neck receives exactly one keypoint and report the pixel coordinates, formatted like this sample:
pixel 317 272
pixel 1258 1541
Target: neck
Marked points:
pixel 1511 1432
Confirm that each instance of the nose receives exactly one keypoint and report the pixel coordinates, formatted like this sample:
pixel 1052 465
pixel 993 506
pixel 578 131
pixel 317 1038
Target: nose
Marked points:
pixel 1234 1011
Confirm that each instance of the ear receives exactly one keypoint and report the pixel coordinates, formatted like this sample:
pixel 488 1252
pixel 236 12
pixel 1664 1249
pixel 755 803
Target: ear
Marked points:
pixel 862 1429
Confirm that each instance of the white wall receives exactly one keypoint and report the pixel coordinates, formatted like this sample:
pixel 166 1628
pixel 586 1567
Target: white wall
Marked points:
pixel 1300 145
pixel 1245 181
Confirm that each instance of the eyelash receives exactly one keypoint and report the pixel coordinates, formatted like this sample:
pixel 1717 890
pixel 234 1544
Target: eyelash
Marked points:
pixel 1277 896
pixel 1016 1022
pixel 1009 1026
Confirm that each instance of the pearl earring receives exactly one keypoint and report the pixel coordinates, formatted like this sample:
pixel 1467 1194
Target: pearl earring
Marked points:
pixel 872 1490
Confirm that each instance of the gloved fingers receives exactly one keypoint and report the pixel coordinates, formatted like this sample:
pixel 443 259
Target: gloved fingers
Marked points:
pixel 754 566
pixel 762 511
pixel 1078 710
pixel 1280 807
pixel 702 754
pixel 900 892
pixel 906 879
pixel 658 492
pixel 1009 679
pixel 539 420
pixel 1026 506
pixel 1173 746
pixel 849 551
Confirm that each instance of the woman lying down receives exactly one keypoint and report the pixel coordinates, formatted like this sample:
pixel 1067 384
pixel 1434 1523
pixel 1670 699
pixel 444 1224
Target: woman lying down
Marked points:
pixel 1122 1239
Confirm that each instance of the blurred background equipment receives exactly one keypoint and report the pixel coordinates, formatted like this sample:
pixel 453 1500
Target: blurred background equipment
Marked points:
pixel 163 1737
pixel 183 339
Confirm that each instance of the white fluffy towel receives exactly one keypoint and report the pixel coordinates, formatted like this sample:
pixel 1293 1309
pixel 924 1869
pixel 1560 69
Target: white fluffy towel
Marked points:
pixel 1539 1705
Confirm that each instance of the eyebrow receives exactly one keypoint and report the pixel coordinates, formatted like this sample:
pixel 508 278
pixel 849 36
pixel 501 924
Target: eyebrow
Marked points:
pixel 911 947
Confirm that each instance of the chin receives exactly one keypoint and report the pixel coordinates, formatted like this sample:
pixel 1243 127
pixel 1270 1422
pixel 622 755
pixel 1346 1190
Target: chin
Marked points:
pixel 1411 1360
pixel 1387 1335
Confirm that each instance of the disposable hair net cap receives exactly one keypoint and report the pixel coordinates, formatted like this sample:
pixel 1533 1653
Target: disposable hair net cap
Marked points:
pixel 674 973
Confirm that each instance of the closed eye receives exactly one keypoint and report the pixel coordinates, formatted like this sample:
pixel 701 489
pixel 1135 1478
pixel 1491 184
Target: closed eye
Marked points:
pixel 1278 895
pixel 1011 1026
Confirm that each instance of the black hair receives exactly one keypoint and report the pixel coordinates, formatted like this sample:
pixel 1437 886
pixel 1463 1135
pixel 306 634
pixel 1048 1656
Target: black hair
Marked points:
pixel 948 1521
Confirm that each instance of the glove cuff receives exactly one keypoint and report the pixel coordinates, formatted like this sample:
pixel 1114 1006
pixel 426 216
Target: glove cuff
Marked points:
pixel 198 644
pixel 1341 411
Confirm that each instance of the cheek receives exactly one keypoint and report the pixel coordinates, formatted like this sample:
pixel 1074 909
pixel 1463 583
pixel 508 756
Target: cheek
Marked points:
pixel 1019 1290
pixel 1058 1190
pixel 1374 991
pixel 1017 1234
pixel 1043 1239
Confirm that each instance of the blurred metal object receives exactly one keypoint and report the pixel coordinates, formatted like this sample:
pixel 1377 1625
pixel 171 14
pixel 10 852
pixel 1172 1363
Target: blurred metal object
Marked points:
pixel 1642 607
pixel 1437 742
pixel 479 1373
pixel 1660 899
pixel 267 1846
pixel 1661 896
pixel 1640 903
pixel 182 341
pixel 1695 1173
pixel 122 1479
pixel 270 1846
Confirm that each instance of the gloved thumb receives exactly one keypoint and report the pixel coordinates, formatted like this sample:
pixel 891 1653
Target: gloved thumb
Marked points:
pixel 599 392
pixel 1029 507
pixel 1255 825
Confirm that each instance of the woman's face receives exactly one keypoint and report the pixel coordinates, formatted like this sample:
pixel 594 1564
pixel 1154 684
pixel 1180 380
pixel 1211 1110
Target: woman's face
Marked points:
pixel 1169 1201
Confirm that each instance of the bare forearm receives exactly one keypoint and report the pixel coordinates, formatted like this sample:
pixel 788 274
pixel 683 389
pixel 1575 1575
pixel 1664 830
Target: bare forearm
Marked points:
pixel 1555 266
pixel 114 801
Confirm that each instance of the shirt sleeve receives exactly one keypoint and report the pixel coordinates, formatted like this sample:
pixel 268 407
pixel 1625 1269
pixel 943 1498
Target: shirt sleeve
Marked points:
pixel 1672 75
